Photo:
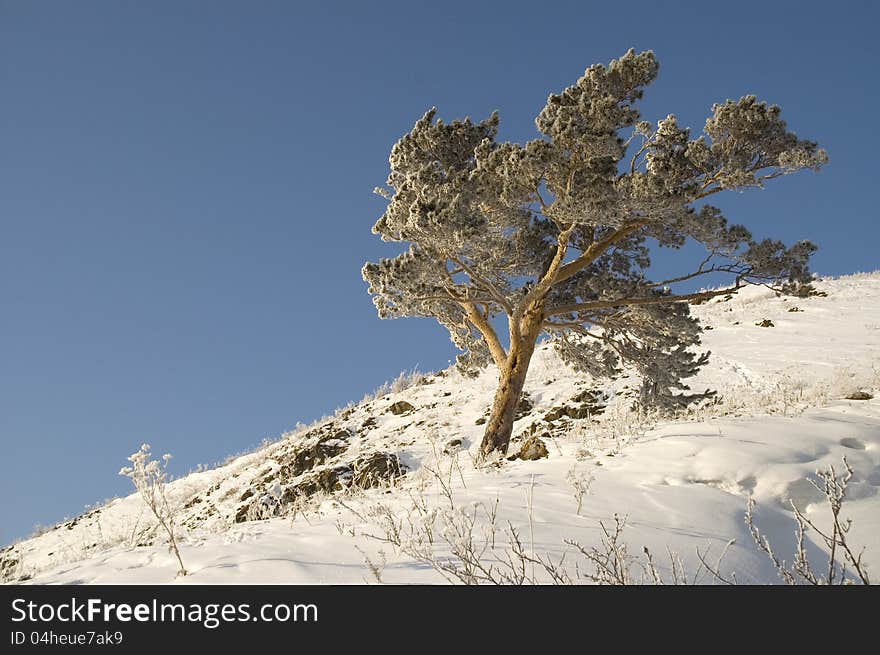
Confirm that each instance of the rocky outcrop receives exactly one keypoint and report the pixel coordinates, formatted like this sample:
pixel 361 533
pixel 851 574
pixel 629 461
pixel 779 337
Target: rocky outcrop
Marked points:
pixel 533 448
pixel 401 407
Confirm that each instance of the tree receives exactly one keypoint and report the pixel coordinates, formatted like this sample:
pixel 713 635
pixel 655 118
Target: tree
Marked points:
pixel 555 234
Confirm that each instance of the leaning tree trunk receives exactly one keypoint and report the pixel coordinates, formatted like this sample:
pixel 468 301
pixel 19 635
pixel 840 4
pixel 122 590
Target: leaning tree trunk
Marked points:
pixel 511 379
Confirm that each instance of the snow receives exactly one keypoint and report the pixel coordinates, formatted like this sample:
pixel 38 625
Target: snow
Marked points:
pixel 682 485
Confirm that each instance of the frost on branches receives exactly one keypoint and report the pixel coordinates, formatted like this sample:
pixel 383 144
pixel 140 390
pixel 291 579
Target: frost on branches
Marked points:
pixel 150 477
pixel 555 234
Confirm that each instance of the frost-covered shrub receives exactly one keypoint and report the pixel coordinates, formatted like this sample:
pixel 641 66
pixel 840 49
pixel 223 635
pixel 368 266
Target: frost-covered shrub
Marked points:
pixel 150 477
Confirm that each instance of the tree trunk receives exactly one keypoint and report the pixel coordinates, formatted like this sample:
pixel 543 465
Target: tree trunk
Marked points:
pixel 511 380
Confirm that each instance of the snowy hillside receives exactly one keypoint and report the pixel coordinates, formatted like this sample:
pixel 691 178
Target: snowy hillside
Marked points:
pixel 387 490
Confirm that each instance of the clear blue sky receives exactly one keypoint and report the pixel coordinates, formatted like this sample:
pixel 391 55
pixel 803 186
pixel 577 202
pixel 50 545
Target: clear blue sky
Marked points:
pixel 185 195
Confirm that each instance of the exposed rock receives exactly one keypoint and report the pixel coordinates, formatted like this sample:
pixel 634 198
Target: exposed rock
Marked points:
pixel 556 413
pixel 584 411
pixel 795 309
pixel 523 407
pixel 451 446
pixel 326 480
pixel 309 457
pixel 765 323
pixel 367 471
pixel 533 448
pixel 589 404
pixel 192 502
pixel 376 468
pixel 807 290
pixel 401 407
pixel 480 421
pixel 10 563
pixel 278 485
pixel 860 395
pixel 587 396
pixel 531 429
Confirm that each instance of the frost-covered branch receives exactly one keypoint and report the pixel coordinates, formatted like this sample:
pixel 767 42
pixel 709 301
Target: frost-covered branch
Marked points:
pixel 833 487
pixel 631 302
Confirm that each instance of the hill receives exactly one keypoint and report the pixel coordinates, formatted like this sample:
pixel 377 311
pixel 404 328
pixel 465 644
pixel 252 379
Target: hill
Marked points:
pixel 386 489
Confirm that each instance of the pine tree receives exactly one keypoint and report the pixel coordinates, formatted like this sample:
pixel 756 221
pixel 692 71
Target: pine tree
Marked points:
pixel 554 234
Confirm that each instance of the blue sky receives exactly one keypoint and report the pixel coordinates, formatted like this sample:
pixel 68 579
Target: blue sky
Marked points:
pixel 185 196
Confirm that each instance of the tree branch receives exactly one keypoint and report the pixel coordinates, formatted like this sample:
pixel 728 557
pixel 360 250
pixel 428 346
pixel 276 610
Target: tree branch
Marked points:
pixel 455 298
pixel 543 285
pixel 629 302
pixel 595 250
pixel 647 144
pixel 740 270
pixel 491 288
pixel 481 322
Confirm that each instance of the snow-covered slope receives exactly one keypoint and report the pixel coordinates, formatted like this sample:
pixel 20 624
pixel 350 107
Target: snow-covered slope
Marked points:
pixel 321 504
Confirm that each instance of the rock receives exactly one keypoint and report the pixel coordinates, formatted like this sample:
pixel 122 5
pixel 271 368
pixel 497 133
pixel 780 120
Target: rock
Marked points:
pixel 585 396
pixel 523 407
pixel 480 421
pixel 589 404
pixel 765 323
pixel 860 395
pixel 401 407
pixel 581 412
pixel 376 468
pixel 327 480
pixel 9 565
pixel 534 427
pixel 274 501
pixel 192 502
pixel 584 411
pixel 534 448
pixel 309 457
pixel 795 309
pixel 298 473
pixel 807 290
pixel 241 514
pixel 451 446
